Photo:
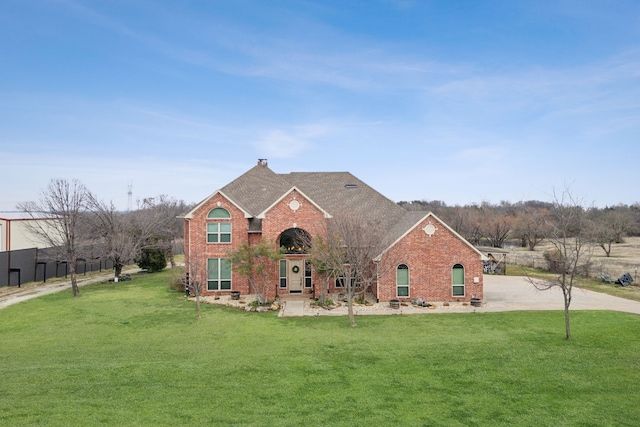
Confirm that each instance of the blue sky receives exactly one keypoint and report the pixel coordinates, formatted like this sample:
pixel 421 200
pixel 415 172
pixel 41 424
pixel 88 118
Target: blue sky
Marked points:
pixel 459 101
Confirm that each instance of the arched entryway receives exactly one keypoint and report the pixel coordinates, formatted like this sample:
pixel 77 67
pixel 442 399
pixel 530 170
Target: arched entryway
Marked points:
pixel 295 268
pixel 295 241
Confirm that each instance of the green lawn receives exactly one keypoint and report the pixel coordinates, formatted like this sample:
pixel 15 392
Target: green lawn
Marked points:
pixel 133 353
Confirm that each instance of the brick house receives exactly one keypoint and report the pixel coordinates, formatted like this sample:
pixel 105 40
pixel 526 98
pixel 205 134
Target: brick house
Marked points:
pixel 424 258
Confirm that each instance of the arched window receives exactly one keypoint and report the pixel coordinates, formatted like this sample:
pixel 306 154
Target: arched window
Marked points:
pixel 457 276
pixel 402 280
pixel 219 231
pixel 217 213
pixel 295 241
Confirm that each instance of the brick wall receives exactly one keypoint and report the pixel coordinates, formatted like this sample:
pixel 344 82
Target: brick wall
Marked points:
pixel 430 260
pixel 197 250
pixel 281 217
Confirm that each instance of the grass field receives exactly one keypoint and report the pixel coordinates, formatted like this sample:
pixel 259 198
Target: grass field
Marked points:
pixel 133 353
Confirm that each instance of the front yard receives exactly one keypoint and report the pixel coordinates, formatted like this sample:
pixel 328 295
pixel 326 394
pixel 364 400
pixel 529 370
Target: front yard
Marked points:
pixel 134 354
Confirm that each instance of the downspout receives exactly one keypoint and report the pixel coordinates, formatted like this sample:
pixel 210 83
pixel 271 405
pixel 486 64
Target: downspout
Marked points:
pixel 8 248
pixel 189 257
pixel 7 235
pixel 377 281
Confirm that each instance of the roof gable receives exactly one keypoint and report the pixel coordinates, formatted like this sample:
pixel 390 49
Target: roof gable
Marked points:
pixel 257 189
pixel 192 212
pixel 339 192
pixel 411 221
pixel 262 214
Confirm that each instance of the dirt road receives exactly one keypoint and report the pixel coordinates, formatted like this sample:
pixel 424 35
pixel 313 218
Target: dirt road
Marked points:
pixel 22 294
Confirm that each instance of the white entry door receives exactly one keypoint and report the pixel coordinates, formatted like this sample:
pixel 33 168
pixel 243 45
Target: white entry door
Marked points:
pixel 296 275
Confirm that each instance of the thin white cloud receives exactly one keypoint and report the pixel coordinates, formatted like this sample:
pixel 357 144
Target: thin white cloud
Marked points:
pixel 285 144
pixel 324 56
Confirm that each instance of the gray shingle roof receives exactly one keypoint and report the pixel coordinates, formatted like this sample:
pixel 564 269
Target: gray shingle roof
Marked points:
pixel 408 220
pixel 256 189
pixel 338 192
pixel 334 192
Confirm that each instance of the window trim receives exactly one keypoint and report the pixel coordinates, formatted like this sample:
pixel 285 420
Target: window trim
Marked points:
pixel 218 281
pixel 408 285
pixel 308 274
pixel 219 233
pixel 454 285
pixel 282 273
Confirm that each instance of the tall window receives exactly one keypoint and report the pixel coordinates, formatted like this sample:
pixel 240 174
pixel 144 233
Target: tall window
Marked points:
pixel 218 232
pixel 218 274
pixel 402 280
pixel 307 273
pixel 457 275
pixel 283 273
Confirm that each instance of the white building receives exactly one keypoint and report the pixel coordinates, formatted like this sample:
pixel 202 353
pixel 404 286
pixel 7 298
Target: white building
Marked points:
pixel 15 232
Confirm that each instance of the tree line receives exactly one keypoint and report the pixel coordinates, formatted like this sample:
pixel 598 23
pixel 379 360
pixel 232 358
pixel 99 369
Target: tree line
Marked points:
pixel 81 226
pixel 572 230
pixel 529 223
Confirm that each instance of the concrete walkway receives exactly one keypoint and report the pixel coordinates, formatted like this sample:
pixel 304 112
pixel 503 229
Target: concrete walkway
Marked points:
pixel 294 308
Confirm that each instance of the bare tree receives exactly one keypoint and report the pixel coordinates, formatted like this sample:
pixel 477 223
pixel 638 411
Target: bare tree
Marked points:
pixel 608 227
pixel 66 202
pixel 195 280
pixel 496 226
pixel 256 262
pixel 118 237
pixel 349 252
pixel 531 225
pixel 571 245
pixel 157 225
pixel 471 223
pixel 327 258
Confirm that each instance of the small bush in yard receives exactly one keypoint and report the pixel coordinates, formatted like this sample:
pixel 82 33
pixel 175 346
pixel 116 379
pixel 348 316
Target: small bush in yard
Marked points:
pixel 554 261
pixel 152 260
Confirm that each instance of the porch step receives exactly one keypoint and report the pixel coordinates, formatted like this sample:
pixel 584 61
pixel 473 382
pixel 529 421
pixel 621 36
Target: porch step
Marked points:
pixel 293 308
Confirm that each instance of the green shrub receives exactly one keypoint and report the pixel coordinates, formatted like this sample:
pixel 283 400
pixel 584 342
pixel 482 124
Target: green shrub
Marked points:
pixel 152 260
pixel 327 303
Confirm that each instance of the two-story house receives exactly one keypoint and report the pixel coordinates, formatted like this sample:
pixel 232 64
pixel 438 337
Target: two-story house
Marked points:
pixel 422 256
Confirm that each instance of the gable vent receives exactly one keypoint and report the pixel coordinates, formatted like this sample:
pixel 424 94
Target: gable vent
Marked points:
pixel 351 186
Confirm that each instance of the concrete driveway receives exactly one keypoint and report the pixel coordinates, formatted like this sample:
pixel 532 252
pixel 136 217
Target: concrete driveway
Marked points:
pixel 501 293
pixel 509 293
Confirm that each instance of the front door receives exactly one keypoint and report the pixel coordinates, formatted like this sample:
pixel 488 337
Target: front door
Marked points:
pixel 296 275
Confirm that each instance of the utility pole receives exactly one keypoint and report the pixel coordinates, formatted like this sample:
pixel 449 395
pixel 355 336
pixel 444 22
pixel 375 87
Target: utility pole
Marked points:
pixel 130 194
